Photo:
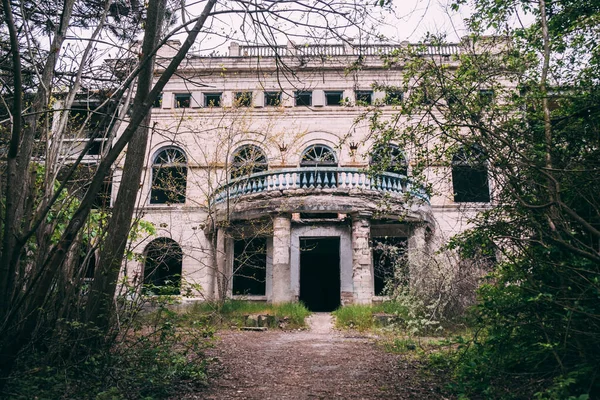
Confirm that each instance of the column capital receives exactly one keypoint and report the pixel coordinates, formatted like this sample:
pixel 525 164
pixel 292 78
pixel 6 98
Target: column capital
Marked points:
pixel 362 215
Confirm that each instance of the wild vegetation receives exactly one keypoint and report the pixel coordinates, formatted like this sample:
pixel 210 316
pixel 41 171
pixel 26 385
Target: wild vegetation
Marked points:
pixel 72 78
pixel 522 104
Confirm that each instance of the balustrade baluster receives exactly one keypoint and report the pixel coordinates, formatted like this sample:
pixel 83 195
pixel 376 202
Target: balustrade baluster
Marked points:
pixel 319 181
pixel 311 180
pixel 326 180
pixel 276 178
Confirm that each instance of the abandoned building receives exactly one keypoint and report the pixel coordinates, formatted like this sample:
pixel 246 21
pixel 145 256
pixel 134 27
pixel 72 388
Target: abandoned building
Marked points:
pixel 258 180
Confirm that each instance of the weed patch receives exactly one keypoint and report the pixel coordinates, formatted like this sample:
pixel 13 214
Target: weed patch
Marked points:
pixel 234 313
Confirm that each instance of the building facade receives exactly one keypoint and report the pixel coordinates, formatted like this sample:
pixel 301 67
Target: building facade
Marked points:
pixel 258 180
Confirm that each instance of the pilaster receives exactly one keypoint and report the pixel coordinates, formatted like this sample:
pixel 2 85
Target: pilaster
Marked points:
pixel 282 288
pixel 362 259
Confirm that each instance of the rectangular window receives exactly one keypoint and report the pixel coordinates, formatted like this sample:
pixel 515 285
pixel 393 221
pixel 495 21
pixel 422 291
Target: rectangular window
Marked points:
pixel 390 264
pixel 212 99
pixel 272 99
pixel 486 96
pixel 334 98
pixel 393 98
pixel 183 100
pixel 303 98
pixel 364 97
pixel 158 101
pixel 243 99
pixel 250 266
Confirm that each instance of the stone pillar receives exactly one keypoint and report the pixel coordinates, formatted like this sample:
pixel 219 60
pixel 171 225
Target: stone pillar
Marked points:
pixel 221 277
pixel 362 260
pixel 282 284
pixel 418 254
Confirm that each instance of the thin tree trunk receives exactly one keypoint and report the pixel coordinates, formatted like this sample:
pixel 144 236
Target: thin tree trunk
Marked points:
pixel 99 305
pixel 39 286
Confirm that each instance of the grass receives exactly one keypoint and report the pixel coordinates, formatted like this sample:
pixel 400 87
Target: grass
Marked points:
pixel 360 316
pixel 233 312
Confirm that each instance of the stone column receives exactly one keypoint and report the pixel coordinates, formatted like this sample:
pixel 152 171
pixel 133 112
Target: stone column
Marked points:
pixel 418 254
pixel 362 260
pixel 282 285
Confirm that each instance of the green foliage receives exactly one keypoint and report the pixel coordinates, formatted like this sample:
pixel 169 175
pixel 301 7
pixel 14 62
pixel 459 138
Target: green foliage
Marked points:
pixel 155 359
pixel 233 312
pixel 531 102
pixel 358 316
pixel 405 312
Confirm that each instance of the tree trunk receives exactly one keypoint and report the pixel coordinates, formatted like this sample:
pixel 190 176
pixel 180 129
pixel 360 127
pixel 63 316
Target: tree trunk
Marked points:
pixel 99 305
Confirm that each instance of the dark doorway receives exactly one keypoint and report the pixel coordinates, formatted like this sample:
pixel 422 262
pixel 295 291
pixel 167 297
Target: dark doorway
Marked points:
pixel 320 273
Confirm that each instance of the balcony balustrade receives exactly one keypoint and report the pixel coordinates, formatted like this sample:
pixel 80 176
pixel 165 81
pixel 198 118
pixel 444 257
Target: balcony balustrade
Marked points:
pixel 317 179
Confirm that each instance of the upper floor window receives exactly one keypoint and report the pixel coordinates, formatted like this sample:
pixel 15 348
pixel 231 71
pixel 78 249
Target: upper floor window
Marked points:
pixel 212 99
pixel 486 97
pixel 303 98
pixel 364 97
pixel 243 99
pixel 183 100
pixel 394 97
pixel 470 175
pixel 169 177
pixel 272 99
pixel 157 103
pixel 389 158
pixel 247 160
pixel 318 155
pixel 334 97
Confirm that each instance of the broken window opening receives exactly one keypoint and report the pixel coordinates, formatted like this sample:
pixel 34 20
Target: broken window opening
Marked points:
pixel 212 99
pixel 183 100
pixel 243 99
pixel 394 97
pixel 272 99
pixel 248 160
pixel 250 266
pixel 169 177
pixel 318 155
pixel 390 264
pixel 364 97
pixel 389 158
pixel 303 98
pixel 162 267
pixel 334 98
pixel 470 176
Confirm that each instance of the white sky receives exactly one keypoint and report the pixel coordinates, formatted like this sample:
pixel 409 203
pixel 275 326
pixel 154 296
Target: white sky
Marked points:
pixel 408 20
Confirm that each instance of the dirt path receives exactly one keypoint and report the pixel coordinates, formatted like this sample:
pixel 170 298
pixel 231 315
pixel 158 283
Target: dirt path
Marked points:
pixel 319 363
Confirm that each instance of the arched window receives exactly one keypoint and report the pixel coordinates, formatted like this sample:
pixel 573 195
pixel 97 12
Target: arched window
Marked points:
pixel 248 160
pixel 389 158
pixel 470 175
pixel 318 155
pixel 162 267
pixel 169 177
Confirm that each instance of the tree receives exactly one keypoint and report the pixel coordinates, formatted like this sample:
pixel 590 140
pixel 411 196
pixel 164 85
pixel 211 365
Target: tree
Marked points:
pixel 41 224
pixel 524 104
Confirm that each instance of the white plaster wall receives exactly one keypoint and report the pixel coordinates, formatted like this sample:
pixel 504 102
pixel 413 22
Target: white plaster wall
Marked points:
pixel 209 136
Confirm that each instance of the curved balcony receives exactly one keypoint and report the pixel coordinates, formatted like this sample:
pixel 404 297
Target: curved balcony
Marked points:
pixel 317 179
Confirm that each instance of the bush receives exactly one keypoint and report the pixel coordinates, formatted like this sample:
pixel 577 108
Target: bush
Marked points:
pixel 154 361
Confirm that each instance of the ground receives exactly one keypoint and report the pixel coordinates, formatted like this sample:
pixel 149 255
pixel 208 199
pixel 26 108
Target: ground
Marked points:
pixel 318 363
